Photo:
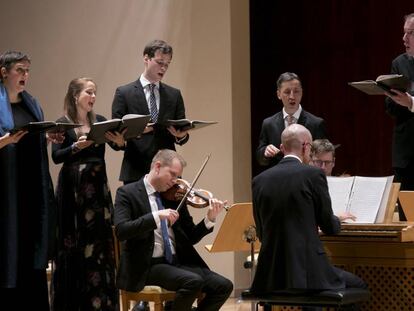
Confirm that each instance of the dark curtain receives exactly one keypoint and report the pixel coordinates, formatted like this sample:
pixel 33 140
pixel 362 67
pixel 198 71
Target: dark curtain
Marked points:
pixel 329 43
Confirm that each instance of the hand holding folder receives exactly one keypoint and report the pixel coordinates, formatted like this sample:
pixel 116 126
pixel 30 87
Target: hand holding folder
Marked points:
pixel 133 123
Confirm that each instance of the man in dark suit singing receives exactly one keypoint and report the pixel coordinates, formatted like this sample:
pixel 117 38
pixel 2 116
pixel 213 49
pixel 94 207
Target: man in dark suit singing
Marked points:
pixel 289 91
pixel 290 201
pixel 400 105
pixel 158 239
pixel 148 95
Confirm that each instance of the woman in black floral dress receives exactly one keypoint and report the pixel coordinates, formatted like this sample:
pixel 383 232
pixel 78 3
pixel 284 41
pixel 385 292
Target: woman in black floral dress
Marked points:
pixel 84 272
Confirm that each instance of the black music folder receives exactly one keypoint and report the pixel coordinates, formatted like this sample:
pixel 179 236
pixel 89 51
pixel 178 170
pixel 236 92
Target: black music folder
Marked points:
pixel 46 126
pixel 185 124
pixel 134 123
pixel 383 83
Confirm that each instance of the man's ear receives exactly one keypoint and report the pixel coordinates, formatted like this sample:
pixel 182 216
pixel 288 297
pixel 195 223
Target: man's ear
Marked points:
pixel 282 148
pixel 278 94
pixel 3 72
pixel 157 167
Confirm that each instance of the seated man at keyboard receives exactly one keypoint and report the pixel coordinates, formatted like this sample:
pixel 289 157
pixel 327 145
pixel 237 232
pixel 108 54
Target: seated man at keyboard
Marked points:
pixel 323 155
pixel 290 201
pixel 158 239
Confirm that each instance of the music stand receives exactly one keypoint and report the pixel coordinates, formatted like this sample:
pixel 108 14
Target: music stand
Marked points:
pixel 407 204
pixel 237 233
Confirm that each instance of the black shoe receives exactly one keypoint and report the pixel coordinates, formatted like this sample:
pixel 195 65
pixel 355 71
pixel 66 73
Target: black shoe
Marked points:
pixel 141 306
pixel 168 305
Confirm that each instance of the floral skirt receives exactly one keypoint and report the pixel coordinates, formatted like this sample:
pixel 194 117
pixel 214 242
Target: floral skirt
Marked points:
pixel 84 270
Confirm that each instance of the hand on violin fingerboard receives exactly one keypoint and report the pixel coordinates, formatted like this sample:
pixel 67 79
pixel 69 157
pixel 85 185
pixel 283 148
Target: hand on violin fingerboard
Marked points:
pixel 215 208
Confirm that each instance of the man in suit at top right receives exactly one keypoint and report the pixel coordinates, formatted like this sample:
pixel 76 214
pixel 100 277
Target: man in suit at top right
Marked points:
pixel 400 105
pixel 290 201
pixel 289 91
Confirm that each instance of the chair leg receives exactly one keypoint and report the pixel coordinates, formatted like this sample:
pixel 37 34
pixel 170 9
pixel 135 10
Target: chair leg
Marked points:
pixel 158 306
pixel 124 303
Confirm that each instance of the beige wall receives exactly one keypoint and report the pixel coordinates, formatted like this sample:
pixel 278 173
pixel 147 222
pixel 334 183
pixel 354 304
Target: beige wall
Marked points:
pixel 103 39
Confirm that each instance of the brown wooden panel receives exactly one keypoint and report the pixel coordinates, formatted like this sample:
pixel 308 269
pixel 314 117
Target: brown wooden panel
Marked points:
pixel 387 268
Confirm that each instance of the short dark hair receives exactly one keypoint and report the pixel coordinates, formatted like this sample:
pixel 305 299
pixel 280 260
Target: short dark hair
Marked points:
pixel 287 76
pixel 9 58
pixel 157 45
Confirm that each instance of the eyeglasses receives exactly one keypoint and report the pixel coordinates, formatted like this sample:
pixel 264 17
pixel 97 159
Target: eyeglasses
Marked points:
pixel 307 144
pixel 320 163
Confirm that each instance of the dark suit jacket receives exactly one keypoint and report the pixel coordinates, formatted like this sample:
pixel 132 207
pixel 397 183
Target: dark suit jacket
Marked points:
pixel 290 201
pixel 403 135
pixel 135 226
pixel 273 127
pixel 139 152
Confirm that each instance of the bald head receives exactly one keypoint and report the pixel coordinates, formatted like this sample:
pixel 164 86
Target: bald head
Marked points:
pixel 296 140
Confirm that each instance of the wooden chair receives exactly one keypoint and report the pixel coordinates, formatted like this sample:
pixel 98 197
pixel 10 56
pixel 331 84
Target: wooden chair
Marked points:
pixel 154 294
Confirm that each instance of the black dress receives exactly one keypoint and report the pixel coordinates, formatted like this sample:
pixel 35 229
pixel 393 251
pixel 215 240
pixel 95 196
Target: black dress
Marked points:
pixel 85 265
pixel 24 198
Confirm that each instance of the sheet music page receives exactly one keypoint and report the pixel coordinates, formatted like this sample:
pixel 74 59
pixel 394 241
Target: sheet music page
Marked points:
pixel 384 201
pixel 366 198
pixel 339 190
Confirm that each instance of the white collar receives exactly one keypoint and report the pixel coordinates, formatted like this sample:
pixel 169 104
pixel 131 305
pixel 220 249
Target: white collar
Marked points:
pixel 148 187
pixel 144 82
pixel 296 114
pixel 293 156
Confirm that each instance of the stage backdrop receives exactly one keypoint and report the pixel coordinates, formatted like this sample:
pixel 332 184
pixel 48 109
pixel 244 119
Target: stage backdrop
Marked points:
pixel 104 39
pixel 328 44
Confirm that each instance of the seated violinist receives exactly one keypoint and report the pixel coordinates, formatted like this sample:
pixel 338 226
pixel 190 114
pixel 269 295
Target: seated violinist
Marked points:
pixel 158 239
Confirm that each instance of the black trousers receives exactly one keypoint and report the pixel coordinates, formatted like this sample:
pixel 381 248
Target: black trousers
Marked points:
pixel 351 280
pixel 188 282
pixel 30 294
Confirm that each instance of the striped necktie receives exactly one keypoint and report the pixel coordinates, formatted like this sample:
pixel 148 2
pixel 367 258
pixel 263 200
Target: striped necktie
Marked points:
pixel 153 104
pixel 290 119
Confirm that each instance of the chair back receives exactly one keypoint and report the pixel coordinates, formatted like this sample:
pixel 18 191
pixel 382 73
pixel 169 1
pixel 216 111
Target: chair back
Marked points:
pixel 117 247
pixel 154 294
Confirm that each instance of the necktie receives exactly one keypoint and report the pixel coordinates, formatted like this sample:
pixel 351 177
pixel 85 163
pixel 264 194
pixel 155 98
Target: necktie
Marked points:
pixel 290 119
pixel 164 231
pixel 153 104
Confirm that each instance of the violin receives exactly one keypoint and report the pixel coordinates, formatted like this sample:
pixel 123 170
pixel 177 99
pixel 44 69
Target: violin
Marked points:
pixel 198 198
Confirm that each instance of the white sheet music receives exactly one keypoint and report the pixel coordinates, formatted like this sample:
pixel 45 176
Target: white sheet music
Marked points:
pixel 340 190
pixel 364 197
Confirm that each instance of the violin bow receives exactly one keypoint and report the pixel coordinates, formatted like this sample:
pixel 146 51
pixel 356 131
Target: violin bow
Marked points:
pixel 184 198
